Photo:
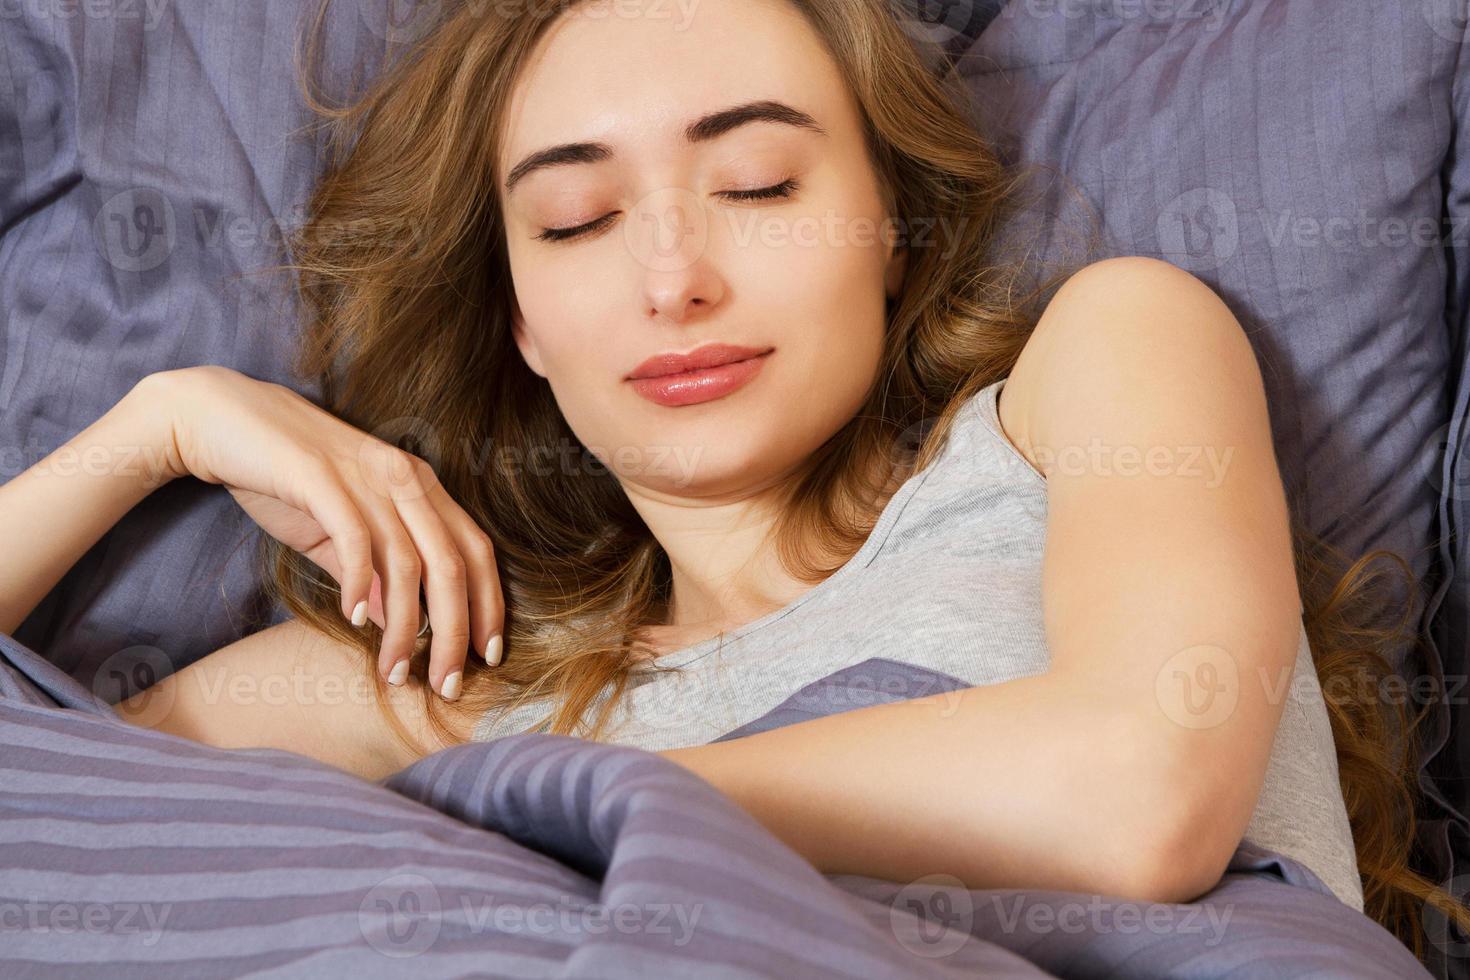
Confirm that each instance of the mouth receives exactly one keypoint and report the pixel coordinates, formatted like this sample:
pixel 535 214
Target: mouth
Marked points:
pixel 703 358
pixel 699 385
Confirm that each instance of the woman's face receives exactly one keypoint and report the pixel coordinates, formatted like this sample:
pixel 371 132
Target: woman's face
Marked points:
pixel 673 261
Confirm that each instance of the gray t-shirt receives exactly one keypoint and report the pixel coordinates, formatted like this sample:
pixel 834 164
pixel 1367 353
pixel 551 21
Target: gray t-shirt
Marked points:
pixel 968 527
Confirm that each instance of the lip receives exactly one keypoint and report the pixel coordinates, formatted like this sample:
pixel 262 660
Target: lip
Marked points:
pixel 708 356
pixel 717 371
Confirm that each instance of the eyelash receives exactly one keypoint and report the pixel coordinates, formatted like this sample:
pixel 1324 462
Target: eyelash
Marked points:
pixel 782 190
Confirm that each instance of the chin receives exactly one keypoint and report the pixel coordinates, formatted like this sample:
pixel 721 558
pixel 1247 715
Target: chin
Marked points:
pixel 702 469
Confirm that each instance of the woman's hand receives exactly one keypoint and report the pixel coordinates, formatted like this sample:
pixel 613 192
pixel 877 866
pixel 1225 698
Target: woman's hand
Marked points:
pixel 371 515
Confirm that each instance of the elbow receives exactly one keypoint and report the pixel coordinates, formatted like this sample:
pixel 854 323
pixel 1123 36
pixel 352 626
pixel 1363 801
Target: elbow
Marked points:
pixel 1172 838
pixel 1179 854
pixel 1166 877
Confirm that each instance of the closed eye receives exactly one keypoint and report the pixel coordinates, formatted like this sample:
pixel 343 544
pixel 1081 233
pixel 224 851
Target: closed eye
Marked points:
pixel 782 190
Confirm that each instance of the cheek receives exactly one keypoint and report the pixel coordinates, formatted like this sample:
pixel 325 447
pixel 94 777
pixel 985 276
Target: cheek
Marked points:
pixel 823 306
pixel 825 256
pixel 560 319
pixel 824 279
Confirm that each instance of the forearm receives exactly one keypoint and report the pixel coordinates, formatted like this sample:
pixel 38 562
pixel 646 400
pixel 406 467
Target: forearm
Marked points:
pixel 1033 783
pixel 52 513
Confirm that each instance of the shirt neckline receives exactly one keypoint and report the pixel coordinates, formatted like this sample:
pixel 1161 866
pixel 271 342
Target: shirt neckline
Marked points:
pixel 864 556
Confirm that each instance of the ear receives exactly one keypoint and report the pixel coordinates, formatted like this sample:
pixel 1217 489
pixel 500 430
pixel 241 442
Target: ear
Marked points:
pixel 523 340
pixel 894 273
pixel 898 252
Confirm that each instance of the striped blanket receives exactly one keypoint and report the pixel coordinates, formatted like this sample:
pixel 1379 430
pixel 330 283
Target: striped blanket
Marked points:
pixel 129 853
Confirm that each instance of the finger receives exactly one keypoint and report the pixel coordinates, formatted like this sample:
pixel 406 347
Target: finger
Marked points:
pixel 487 601
pixel 398 566
pixel 445 577
pixel 375 602
pixel 325 557
pixel 330 505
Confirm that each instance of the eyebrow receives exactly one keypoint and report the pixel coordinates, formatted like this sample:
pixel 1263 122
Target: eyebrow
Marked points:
pixel 702 130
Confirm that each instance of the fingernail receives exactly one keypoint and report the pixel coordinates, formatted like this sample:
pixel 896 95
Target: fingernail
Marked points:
pixel 493 649
pixel 450 691
pixel 359 613
pixel 398 674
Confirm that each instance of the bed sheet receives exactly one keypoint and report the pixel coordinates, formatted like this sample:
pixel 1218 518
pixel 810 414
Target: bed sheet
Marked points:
pixel 130 853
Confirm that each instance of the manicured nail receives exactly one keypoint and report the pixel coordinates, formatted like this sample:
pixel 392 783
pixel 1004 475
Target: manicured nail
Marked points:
pixel 493 650
pixel 450 690
pixel 398 674
pixel 359 613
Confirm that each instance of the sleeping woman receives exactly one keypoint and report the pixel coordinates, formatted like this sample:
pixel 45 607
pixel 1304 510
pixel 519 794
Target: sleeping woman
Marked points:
pixel 715 388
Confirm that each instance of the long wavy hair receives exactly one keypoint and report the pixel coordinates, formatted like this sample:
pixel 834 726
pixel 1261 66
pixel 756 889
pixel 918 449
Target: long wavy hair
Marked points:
pixel 403 232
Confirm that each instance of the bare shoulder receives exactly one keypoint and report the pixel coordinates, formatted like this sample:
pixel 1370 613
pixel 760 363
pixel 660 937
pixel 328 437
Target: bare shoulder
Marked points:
pixel 288 687
pixel 1124 330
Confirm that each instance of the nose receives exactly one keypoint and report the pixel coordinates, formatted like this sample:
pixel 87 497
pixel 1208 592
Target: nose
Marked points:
pixel 683 294
pixel 670 242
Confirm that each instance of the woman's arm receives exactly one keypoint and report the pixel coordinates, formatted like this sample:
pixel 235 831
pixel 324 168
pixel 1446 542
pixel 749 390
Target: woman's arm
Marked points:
pixel 292 688
pixel 52 513
pixel 1172 615
pixel 1033 783
pixel 372 516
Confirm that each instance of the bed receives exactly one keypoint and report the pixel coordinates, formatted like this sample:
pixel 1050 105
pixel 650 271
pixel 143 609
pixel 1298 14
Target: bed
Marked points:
pixel 1289 152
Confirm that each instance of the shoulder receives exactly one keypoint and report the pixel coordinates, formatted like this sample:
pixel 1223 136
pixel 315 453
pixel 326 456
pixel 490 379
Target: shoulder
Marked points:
pixel 1127 338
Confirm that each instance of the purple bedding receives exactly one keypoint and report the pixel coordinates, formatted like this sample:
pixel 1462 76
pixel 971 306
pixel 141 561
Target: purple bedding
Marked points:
pixel 150 155
pixel 129 853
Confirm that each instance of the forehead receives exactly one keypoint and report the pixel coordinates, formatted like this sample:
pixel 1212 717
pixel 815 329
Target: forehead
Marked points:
pixel 635 80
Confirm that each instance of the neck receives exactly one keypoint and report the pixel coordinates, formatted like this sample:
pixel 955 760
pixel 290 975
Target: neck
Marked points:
pixel 726 571
pixel 724 566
